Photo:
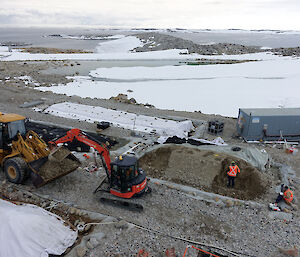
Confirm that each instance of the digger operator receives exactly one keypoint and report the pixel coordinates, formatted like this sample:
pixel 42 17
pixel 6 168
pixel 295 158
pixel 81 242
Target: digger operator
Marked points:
pixel 233 169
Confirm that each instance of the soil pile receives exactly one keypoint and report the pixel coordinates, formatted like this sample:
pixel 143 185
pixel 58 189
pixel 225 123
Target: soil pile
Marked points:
pixel 205 170
pixel 249 184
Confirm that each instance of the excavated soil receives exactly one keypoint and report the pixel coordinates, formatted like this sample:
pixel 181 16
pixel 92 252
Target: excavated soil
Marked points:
pixel 55 168
pixel 205 170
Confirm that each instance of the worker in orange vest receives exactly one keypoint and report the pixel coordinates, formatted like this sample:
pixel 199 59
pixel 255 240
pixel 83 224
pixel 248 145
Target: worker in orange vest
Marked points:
pixel 233 169
pixel 286 194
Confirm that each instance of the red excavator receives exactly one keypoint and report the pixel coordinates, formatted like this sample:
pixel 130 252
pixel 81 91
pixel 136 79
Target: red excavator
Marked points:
pixel 125 178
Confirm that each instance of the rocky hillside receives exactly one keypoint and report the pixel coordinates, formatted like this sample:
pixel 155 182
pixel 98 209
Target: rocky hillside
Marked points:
pixel 289 51
pixel 157 41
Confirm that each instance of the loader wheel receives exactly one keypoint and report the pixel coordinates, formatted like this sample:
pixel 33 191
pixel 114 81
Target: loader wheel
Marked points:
pixel 15 170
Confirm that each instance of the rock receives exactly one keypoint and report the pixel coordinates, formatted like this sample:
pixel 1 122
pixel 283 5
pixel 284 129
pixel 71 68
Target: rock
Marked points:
pixel 97 237
pixel 287 210
pixel 223 232
pixel 94 242
pixel 10 189
pixel 289 252
pixel 238 203
pixel 87 227
pixel 82 213
pixel 72 210
pixel 170 186
pixel 202 225
pixel 122 224
pixel 89 245
pixel 132 101
pixel 81 251
pixel 229 203
pixel 44 204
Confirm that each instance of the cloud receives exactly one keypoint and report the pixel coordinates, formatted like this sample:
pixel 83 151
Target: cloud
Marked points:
pixel 255 14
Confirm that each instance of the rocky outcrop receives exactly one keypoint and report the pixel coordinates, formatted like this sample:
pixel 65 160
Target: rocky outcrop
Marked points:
pixel 122 98
pixel 156 41
pixel 289 51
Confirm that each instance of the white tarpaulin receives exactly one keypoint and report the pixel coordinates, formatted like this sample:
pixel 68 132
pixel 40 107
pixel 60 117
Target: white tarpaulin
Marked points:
pixel 122 119
pixel 30 231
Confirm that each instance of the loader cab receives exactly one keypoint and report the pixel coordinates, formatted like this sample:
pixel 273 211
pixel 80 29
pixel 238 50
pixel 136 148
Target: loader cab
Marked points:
pixel 124 173
pixel 11 125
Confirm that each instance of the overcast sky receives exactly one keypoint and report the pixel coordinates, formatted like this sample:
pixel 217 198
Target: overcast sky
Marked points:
pixel 195 14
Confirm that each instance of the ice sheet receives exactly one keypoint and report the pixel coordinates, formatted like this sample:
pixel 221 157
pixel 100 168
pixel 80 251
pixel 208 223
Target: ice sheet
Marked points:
pixel 218 89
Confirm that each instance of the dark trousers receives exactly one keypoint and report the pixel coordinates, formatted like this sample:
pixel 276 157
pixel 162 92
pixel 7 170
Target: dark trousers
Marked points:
pixel 230 181
pixel 279 198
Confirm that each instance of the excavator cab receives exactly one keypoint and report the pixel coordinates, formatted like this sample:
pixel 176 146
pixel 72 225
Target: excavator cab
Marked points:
pixel 126 178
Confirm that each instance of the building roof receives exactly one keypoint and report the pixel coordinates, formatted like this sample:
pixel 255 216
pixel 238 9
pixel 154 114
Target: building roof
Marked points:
pixel 10 117
pixel 272 111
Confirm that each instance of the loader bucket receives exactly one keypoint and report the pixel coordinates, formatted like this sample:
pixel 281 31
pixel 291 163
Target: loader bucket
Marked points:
pixel 60 162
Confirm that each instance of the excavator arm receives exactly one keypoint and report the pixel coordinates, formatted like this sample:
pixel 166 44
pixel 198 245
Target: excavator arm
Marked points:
pixel 77 134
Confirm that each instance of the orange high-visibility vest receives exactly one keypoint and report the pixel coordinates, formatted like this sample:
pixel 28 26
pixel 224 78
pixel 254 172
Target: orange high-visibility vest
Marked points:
pixel 233 170
pixel 288 196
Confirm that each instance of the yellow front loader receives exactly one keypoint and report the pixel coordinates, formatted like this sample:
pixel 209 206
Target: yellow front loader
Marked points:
pixel 25 153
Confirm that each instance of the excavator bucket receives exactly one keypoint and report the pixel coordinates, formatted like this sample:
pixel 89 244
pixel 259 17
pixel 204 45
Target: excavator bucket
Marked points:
pixel 60 162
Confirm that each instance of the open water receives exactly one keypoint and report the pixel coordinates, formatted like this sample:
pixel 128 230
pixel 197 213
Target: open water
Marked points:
pixel 39 37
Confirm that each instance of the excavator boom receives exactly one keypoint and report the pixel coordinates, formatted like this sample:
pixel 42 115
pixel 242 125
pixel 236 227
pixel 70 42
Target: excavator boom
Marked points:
pixel 80 136
pixel 125 178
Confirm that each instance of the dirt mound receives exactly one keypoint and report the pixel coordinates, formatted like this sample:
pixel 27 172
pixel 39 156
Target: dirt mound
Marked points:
pixel 156 162
pixel 202 169
pixel 249 184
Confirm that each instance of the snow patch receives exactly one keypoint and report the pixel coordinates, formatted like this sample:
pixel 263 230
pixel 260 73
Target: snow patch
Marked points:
pixel 261 69
pixel 28 80
pixel 122 45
